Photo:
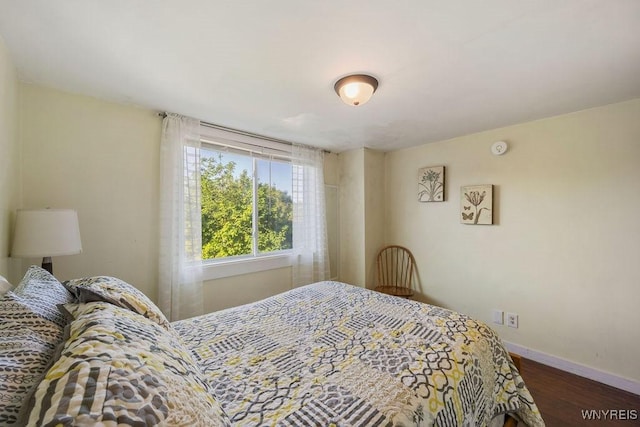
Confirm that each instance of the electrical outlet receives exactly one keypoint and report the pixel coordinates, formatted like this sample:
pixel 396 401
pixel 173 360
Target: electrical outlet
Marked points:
pixel 498 317
pixel 512 320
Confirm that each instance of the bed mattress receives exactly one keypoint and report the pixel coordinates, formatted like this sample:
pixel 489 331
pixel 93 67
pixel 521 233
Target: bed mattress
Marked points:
pixel 335 354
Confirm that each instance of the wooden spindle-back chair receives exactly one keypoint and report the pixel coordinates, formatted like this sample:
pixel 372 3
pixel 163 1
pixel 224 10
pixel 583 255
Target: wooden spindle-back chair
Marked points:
pixel 395 266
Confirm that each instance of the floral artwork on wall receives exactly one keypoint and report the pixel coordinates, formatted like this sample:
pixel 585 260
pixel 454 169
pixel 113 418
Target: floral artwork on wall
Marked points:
pixel 476 204
pixel 431 184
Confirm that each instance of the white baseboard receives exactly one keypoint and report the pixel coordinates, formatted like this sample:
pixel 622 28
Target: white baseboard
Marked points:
pixel 575 368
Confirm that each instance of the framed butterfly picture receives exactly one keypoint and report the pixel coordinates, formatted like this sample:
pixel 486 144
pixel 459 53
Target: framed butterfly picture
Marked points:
pixel 476 204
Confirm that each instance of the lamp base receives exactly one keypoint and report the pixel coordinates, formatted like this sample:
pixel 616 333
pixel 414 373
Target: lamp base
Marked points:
pixel 47 264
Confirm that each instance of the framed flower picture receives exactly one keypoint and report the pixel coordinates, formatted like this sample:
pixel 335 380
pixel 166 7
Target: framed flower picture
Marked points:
pixel 431 184
pixel 476 204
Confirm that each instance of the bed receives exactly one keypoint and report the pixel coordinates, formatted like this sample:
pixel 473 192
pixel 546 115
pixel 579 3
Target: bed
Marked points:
pixel 327 354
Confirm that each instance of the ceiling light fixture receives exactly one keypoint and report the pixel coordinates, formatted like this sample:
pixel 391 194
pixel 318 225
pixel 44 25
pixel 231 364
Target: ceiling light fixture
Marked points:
pixel 356 89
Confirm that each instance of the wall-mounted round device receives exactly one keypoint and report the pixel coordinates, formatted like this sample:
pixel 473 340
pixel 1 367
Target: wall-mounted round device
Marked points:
pixel 499 148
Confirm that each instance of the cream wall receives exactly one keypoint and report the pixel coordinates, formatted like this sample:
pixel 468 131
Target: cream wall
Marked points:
pixel 564 251
pixel 374 206
pixel 243 289
pixel 361 174
pixel 101 159
pixel 352 204
pixel 10 185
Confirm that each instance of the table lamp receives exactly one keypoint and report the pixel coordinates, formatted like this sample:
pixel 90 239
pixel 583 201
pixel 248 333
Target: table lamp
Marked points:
pixel 46 233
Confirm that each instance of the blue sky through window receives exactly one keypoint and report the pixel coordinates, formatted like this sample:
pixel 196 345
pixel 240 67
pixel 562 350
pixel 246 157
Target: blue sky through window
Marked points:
pixel 274 172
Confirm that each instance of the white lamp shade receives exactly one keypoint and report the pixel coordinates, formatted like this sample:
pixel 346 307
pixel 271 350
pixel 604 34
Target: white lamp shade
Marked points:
pixel 46 233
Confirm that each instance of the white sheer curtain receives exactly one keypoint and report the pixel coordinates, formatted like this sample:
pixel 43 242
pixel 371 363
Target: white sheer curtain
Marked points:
pixel 310 249
pixel 180 278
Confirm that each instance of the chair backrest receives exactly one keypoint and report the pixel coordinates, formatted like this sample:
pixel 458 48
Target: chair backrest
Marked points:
pixel 395 266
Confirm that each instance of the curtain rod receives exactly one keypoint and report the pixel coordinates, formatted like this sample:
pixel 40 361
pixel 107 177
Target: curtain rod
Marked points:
pixel 241 132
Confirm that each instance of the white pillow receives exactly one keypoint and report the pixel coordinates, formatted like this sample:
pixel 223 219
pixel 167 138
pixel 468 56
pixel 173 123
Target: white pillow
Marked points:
pixel 4 285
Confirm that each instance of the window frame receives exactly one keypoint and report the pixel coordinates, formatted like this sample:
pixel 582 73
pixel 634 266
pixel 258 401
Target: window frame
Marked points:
pixel 253 147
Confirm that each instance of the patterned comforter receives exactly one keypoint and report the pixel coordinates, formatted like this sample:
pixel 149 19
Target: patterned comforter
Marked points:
pixel 335 354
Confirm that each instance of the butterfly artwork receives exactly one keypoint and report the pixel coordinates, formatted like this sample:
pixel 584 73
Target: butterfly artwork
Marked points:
pixel 468 216
pixel 476 204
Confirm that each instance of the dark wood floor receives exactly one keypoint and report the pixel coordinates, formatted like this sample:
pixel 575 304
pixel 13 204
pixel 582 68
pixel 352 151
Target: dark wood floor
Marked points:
pixel 561 398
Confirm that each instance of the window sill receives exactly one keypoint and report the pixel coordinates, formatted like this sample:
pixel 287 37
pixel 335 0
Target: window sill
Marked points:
pixel 220 269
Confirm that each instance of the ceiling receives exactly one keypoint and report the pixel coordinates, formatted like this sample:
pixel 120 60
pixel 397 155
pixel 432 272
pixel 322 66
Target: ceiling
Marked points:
pixel 446 67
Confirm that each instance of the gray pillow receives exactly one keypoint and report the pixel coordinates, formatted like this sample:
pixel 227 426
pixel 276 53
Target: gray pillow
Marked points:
pixel 31 329
pixel 42 293
pixel 28 344
pixel 119 368
pixel 117 292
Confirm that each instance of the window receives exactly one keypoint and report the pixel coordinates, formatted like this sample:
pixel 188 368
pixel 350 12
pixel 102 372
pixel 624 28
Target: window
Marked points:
pixel 247 209
pixel 262 206
pixel 279 225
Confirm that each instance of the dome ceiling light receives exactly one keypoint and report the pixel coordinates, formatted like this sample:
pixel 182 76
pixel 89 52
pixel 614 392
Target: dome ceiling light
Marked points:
pixel 356 89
